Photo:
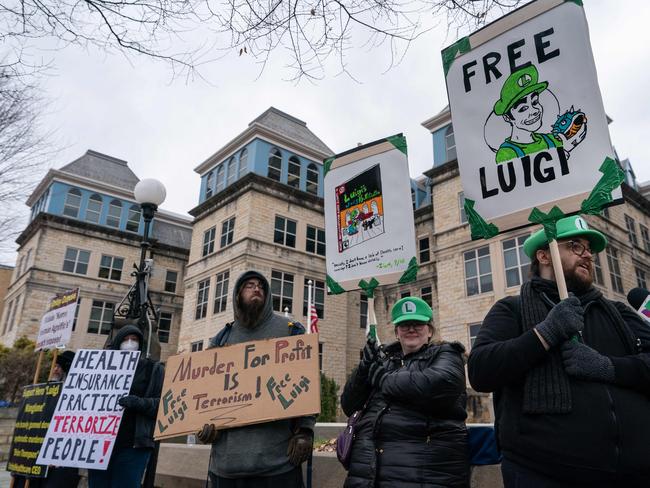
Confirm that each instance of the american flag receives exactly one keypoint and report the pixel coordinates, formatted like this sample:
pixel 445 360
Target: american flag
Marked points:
pixel 313 326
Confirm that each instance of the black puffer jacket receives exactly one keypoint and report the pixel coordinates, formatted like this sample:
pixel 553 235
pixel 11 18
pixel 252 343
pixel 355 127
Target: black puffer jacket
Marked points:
pixel 412 432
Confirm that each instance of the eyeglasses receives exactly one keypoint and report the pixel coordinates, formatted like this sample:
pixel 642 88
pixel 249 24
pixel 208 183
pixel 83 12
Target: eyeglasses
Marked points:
pixel 252 286
pixel 578 248
pixel 408 325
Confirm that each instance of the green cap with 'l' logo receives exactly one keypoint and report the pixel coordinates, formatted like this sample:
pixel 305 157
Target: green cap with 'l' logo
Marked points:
pixel 519 84
pixel 411 308
pixel 567 227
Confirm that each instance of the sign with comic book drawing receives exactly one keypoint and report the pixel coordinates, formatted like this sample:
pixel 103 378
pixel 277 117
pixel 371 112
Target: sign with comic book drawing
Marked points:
pixel 528 117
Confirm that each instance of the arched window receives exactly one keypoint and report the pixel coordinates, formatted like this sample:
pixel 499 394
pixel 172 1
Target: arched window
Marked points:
pixel 209 185
pixel 94 208
pixel 450 143
pixel 133 220
pixel 232 171
pixel 243 162
pixel 220 178
pixel 72 203
pixel 293 179
pixel 114 214
pixel 312 179
pixel 275 164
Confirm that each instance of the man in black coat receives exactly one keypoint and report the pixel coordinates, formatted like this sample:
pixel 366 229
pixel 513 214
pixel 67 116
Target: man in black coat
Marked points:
pixel 571 378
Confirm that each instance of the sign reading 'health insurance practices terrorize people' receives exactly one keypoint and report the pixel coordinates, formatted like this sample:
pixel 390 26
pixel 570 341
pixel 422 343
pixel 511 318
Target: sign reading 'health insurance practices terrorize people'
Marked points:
pixel 369 229
pixel 87 418
pixel 56 324
pixel 528 117
pixel 242 384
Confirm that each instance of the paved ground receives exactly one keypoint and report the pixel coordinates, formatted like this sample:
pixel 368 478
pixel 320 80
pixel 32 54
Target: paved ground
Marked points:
pixel 5 478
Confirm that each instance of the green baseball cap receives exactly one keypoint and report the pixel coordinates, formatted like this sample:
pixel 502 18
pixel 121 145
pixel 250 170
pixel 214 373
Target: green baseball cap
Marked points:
pixel 567 227
pixel 411 308
pixel 519 84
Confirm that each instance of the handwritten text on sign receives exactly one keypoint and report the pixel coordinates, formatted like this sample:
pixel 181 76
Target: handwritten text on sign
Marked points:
pixel 242 384
pixel 87 418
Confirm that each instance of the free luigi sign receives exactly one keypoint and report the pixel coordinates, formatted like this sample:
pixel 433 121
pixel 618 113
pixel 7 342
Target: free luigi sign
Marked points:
pixel 528 117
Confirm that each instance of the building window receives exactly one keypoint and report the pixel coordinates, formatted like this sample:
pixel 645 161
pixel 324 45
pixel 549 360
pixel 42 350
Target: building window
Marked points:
pixel 202 293
pixel 281 290
pixel 645 237
pixel 133 220
pixel 164 327
pixel 315 240
pixel 243 162
pixel 232 171
pixel 605 212
pixel 76 314
pixel 110 267
pixel 404 294
pixel 27 258
pixel 614 269
pixel 208 241
pixel 363 310
pixel 320 357
pixel 312 179
pixel 293 178
pixel 473 332
pixel 8 317
pixel 221 178
pixel 425 256
pixel 14 312
pixel 76 261
pixel 450 143
pixel 114 214
pixel 318 298
pixel 461 207
pixel 94 208
pixel 285 232
pixel 275 165
pixel 209 185
pixel 517 263
pixel 20 269
pixel 101 317
pixel 196 346
pixel 221 292
pixel 72 203
pixel 631 230
pixel 227 231
pixel 413 198
pixel 478 271
pixel 171 278
pixel 598 271
pixel 427 295
pixel 640 278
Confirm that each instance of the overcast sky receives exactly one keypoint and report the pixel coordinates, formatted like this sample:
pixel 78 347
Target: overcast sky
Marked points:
pixel 133 110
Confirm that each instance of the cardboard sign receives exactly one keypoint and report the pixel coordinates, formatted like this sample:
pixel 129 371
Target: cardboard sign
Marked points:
pixel 369 228
pixel 32 422
pixel 56 324
pixel 528 118
pixel 87 418
pixel 242 384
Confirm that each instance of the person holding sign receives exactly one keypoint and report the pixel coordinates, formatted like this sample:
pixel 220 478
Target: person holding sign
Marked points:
pixel 411 395
pixel 134 443
pixel 267 454
pixel 571 378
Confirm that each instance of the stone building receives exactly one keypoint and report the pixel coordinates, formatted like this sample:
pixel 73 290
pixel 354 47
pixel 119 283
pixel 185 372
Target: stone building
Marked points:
pixel 84 231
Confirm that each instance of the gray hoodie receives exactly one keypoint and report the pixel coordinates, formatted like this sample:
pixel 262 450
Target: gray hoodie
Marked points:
pixel 260 449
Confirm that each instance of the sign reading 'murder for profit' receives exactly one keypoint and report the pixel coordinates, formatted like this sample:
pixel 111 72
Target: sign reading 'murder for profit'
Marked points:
pixel 528 118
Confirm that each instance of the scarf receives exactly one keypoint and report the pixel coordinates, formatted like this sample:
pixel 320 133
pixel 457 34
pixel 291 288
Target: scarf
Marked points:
pixel 547 388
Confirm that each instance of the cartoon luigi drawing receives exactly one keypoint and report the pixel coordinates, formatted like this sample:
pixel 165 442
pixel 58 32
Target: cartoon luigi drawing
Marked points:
pixel 520 107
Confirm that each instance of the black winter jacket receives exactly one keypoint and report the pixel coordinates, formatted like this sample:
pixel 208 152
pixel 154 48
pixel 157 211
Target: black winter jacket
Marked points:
pixel 605 439
pixel 412 432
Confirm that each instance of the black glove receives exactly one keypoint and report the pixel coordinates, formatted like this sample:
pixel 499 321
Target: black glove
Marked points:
pixel 300 446
pixel 132 402
pixel 369 356
pixel 563 322
pixel 583 362
pixel 208 434
pixel 377 374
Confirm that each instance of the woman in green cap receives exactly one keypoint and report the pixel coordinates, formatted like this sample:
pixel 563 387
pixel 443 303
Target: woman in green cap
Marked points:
pixel 411 430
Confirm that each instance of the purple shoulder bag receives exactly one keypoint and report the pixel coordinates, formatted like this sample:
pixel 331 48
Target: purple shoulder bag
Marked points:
pixel 345 439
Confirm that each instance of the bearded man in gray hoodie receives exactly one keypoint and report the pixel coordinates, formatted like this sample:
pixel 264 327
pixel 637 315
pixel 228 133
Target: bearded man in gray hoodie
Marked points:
pixel 266 455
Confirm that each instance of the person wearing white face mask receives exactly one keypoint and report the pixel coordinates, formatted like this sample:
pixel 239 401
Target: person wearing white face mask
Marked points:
pixel 134 443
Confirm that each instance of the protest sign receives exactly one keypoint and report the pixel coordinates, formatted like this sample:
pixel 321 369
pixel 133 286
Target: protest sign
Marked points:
pixel 32 422
pixel 56 324
pixel 87 418
pixel 242 384
pixel 529 123
pixel 369 229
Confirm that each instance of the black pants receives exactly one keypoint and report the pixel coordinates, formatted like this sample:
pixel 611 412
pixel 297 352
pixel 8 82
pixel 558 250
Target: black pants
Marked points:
pixel 291 479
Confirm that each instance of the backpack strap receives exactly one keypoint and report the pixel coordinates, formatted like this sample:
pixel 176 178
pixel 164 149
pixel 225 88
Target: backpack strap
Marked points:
pixel 221 338
pixel 295 328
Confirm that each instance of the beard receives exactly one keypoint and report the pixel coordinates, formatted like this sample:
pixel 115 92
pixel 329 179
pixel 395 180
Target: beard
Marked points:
pixel 248 314
pixel 576 281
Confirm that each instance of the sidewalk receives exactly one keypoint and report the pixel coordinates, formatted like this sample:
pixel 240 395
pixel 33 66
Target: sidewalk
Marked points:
pixel 5 478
